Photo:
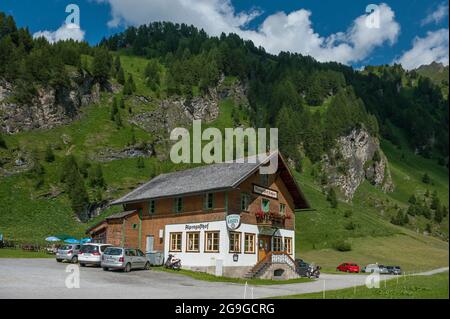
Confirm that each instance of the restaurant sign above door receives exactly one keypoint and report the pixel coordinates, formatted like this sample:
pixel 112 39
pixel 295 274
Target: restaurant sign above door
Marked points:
pixel 265 191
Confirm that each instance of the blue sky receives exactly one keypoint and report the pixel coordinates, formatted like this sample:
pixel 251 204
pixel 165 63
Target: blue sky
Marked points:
pixel 412 32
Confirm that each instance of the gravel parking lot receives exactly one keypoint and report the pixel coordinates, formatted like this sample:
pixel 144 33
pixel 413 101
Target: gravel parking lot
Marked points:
pixel 45 278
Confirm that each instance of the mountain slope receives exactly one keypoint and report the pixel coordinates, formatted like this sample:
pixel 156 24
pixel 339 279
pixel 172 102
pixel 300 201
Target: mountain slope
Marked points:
pixel 145 90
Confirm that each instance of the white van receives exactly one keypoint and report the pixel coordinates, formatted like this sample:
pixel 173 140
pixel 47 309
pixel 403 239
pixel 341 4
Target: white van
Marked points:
pixel 91 254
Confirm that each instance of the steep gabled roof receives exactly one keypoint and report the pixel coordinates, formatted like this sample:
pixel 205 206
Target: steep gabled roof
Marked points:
pixel 210 178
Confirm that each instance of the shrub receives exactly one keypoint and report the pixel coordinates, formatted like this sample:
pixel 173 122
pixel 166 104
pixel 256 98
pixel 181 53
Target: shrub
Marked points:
pixel 140 163
pixel 348 214
pixel 426 179
pixel 400 219
pixel 2 142
pixel 350 226
pixel 342 245
pixel 412 199
pixel 49 156
pixel 332 198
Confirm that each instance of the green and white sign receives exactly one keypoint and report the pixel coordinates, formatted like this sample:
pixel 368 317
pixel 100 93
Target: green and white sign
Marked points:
pixel 233 221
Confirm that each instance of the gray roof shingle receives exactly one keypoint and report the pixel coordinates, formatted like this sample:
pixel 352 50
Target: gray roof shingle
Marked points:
pixel 197 180
pixel 121 214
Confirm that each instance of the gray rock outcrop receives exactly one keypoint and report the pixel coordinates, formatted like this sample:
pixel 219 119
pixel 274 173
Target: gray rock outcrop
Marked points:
pixel 355 158
pixel 49 108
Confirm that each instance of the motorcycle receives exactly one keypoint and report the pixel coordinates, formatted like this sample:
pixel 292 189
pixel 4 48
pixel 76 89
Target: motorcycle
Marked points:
pixel 313 272
pixel 172 262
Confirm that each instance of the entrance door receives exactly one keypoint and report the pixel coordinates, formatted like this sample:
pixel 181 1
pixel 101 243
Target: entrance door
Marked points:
pixel 149 245
pixel 264 246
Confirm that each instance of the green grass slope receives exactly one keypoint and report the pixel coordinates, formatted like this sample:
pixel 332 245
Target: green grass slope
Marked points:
pixel 404 287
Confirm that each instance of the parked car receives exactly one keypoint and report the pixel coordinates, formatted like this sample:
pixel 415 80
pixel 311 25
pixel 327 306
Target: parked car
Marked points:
pixel 348 267
pixel 394 270
pixel 68 253
pixel 91 254
pixel 381 269
pixel 302 267
pixel 370 268
pixel 125 259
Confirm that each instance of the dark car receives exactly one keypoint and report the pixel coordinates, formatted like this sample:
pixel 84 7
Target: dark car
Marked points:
pixel 383 269
pixel 302 267
pixel 394 270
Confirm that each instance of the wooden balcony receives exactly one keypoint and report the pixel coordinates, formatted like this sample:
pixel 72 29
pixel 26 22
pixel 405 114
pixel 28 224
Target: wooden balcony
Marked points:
pixel 270 219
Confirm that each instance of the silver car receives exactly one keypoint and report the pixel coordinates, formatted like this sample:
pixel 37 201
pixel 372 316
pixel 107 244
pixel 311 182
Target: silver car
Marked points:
pixel 91 254
pixel 68 253
pixel 124 258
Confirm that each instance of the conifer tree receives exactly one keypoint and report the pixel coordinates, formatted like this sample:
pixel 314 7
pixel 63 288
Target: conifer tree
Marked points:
pixel 114 109
pixel 2 142
pixel 96 178
pixel 435 201
pixel 101 65
pixel 49 156
pixel 75 188
pixel 118 120
pixel 120 76
pixel 332 198
pixel 140 163
pixel 122 103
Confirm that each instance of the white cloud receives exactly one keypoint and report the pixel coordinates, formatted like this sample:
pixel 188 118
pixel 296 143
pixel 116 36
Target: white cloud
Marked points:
pixel 292 32
pixel 433 47
pixel 436 16
pixel 65 32
pixel 215 16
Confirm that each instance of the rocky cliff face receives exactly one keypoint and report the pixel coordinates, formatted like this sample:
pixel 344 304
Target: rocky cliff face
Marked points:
pixel 49 108
pixel 355 158
pixel 179 112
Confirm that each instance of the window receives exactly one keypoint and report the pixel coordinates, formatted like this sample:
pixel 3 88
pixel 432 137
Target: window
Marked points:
pixel 235 242
pixel 152 207
pixel 249 243
pixel 288 245
pixel 208 201
pixel 265 205
pixel 130 252
pixel 277 244
pixel 139 253
pixel 193 242
pixel 178 204
pixel 282 209
pixel 264 179
pixel 212 242
pixel 103 248
pixel 245 201
pixel 134 226
pixel 175 241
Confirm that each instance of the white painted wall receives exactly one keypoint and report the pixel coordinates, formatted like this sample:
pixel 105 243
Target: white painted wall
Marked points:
pixel 202 259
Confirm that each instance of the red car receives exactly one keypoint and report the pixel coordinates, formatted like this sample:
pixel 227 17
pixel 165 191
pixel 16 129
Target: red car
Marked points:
pixel 348 267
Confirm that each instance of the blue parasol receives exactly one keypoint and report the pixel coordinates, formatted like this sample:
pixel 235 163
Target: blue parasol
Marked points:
pixel 72 241
pixel 52 238
pixel 85 240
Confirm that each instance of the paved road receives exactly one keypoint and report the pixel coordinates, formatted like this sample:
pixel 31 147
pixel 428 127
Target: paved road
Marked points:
pixel 44 278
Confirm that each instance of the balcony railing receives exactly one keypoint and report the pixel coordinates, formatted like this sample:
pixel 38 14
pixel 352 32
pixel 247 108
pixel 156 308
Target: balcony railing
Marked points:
pixel 270 219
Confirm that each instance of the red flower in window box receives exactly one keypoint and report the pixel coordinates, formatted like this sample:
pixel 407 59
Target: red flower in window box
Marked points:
pixel 260 214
